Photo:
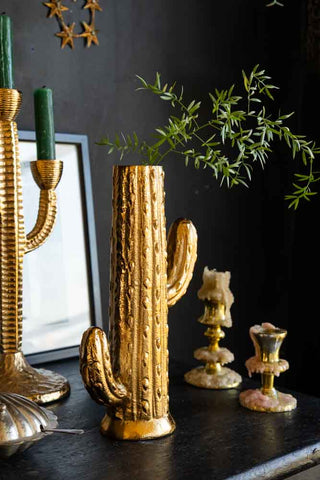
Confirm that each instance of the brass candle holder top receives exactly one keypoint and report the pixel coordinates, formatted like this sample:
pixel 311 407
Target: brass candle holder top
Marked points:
pixel 267 340
pixel 217 298
pixel 215 314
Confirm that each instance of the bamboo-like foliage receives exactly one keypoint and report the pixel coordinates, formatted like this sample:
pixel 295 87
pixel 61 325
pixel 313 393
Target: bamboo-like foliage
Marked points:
pixel 239 133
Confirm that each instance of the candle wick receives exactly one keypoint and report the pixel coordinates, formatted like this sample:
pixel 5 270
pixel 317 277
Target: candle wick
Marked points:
pixel 3 13
pixel 44 86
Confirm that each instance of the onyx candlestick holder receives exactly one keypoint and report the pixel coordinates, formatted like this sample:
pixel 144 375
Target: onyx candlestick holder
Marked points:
pixel 217 299
pixel 16 375
pixel 267 340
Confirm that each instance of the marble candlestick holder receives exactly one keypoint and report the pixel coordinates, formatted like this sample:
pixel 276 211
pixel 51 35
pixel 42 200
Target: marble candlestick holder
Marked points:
pixel 218 299
pixel 267 340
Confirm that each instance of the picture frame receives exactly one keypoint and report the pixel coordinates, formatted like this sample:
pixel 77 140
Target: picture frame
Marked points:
pixel 61 293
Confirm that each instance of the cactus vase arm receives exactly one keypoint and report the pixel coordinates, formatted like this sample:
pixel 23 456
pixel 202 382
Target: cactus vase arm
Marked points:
pixel 96 369
pixel 182 255
pixel 47 174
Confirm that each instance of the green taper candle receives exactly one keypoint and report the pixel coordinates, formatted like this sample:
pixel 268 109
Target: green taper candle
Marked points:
pixel 44 121
pixel 6 54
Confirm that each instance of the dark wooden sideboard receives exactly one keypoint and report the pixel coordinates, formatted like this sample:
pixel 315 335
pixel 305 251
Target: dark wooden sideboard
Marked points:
pixel 215 439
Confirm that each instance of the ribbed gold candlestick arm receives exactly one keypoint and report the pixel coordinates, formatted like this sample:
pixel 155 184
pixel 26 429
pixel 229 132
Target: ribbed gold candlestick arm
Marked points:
pixel 45 221
pixel 47 174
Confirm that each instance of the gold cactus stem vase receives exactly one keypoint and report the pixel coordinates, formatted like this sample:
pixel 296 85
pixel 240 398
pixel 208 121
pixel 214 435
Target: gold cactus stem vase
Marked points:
pixel 218 298
pixel 129 372
pixel 16 375
pixel 267 340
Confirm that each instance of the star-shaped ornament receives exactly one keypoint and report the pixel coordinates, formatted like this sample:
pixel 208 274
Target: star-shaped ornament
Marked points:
pixel 67 35
pixel 93 4
pixel 56 8
pixel 90 33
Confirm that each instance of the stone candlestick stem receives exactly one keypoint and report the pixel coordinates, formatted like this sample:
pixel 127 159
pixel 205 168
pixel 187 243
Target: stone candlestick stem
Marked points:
pixel 218 299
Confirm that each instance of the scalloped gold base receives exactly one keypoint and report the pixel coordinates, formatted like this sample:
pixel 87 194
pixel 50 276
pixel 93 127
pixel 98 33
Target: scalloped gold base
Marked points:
pixel 40 385
pixel 137 429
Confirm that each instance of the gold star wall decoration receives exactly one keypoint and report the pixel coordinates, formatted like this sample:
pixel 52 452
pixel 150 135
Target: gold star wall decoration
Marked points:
pixel 55 8
pixel 67 34
pixel 93 4
pixel 90 33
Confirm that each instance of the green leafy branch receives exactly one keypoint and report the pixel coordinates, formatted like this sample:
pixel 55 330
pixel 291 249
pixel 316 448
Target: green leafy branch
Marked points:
pixel 238 124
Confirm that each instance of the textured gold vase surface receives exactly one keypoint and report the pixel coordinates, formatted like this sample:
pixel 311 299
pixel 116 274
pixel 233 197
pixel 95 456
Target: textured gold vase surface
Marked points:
pixel 16 375
pixel 129 373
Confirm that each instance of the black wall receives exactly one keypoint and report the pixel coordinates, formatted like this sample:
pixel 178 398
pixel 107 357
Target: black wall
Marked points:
pixel 270 251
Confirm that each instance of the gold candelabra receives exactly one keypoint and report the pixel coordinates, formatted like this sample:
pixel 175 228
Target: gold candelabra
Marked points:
pixel 129 372
pixel 267 340
pixel 16 375
pixel 218 299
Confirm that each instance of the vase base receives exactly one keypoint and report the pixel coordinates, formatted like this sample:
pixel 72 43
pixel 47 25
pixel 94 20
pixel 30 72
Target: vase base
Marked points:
pixel 137 429
pixel 224 379
pixel 40 385
pixel 257 401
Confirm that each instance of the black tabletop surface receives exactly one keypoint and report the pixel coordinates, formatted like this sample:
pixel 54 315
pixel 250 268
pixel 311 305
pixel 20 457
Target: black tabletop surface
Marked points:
pixel 215 439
